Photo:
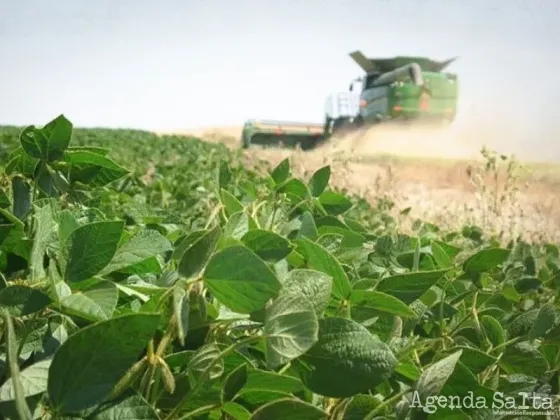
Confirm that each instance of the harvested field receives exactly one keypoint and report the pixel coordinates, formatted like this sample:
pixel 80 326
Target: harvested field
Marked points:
pixel 428 170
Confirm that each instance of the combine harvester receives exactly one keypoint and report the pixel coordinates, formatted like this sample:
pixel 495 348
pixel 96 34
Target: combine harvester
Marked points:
pixel 401 89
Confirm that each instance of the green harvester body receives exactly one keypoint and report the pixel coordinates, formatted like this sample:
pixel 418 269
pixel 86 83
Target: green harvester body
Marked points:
pixel 401 89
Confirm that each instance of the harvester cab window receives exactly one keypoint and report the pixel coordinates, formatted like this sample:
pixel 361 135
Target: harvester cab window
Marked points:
pixel 369 80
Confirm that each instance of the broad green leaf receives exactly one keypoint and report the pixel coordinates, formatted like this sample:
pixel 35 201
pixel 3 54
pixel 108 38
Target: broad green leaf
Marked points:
pixel 315 286
pixel 319 180
pixel 11 230
pixel 234 382
pixel 346 360
pixel 320 259
pixel 22 300
pixel 224 175
pixel 267 245
pixel 92 168
pixel 96 303
pixel 475 360
pixel 360 407
pixel 288 408
pixel 308 228
pixel 196 255
pixel 49 142
pixel 409 286
pixel 206 364
pixel 546 319
pixel 485 260
pixel 381 302
pixel 493 329
pixel 271 381
pixel 290 328
pixel 91 248
pixel 434 377
pixel 130 407
pixel 235 228
pixel 87 366
pixel 334 203
pixel 33 380
pixel 295 189
pixel 5 202
pixel 45 235
pixel 67 224
pixel 524 358
pixel 442 259
pixel 142 246
pixel 21 192
pixel 240 280
pixel 231 204
pixel 236 411
pixel 281 172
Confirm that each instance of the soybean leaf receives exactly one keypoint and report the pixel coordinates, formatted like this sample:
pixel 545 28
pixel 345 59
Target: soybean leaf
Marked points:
pixel 91 248
pixel 234 382
pixel 236 411
pixel 319 180
pixel 22 300
pixel 288 408
pixel 320 259
pixel 196 255
pixel 240 280
pixel 485 260
pixel 442 259
pixel 381 302
pixel 142 246
pixel 231 204
pixel 130 406
pixel 334 203
pixel 346 360
pixel 434 377
pixel 308 228
pixel 409 286
pixel 96 303
pixel 90 362
pixel 281 172
pixel 49 142
pixel 21 191
pixel 290 328
pixel 206 364
pixel 267 245
pixel 45 235
pixel 5 202
pixel 546 319
pixel 315 286
pixel 524 358
pixel 493 329
pixel 33 380
pixel 92 168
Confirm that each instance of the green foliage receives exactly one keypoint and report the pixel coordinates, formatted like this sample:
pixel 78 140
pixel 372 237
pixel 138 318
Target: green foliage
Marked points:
pixel 188 286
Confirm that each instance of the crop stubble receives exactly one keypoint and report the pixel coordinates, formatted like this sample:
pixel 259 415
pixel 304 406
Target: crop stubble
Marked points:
pixel 427 170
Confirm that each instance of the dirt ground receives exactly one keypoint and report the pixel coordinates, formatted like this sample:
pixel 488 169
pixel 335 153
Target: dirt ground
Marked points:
pixel 438 173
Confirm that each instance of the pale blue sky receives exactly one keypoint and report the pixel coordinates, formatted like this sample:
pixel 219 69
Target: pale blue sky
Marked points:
pixel 169 64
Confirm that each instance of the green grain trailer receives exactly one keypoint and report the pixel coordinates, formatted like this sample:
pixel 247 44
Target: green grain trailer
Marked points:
pixel 402 89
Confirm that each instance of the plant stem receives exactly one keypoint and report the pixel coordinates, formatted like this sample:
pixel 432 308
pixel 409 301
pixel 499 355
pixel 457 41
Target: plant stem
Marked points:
pixel 200 410
pixel 210 366
pixel 384 404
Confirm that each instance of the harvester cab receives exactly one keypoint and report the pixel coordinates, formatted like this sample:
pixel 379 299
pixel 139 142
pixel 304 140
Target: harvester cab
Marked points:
pixel 401 88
